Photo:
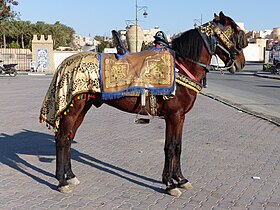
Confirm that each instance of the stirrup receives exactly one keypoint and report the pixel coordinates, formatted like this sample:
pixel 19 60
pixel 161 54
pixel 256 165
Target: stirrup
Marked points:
pixel 142 120
pixel 139 120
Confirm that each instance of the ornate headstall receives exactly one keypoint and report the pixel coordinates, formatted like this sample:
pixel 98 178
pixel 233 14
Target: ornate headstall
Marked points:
pixel 206 31
pixel 225 34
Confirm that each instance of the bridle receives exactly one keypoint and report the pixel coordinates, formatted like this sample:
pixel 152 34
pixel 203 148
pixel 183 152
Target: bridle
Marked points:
pixel 215 35
pixel 228 42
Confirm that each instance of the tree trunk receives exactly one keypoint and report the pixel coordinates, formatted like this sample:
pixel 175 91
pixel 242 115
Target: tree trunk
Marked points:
pixel 22 41
pixel 4 40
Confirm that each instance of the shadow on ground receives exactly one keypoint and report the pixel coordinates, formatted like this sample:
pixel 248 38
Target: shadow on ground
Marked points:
pixel 42 146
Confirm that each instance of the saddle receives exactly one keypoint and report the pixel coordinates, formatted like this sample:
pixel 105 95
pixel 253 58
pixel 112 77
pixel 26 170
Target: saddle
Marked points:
pixel 160 39
pixel 121 50
pixel 145 75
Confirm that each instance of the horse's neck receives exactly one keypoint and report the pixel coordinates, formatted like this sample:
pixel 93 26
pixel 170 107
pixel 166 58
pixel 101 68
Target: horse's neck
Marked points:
pixel 196 70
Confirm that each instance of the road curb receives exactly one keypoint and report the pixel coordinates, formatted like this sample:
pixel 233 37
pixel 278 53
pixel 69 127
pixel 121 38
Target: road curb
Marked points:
pixel 267 76
pixel 240 109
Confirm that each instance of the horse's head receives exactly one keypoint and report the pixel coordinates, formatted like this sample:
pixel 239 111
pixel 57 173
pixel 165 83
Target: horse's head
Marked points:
pixel 231 40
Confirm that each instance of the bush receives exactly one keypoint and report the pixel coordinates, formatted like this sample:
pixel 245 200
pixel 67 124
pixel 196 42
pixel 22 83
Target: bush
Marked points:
pixel 14 44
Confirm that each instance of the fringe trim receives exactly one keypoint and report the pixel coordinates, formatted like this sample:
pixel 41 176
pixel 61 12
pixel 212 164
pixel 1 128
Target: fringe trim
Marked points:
pixel 63 113
pixel 137 91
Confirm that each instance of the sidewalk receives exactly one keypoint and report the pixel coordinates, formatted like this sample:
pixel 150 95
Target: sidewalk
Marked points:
pixel 231 158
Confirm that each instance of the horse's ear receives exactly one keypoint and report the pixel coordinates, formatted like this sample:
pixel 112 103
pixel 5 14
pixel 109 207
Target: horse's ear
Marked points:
pixel 216 17
pixel 221 15
pixel 223 18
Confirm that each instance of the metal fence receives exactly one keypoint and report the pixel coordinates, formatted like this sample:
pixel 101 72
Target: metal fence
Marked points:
pixel 21 57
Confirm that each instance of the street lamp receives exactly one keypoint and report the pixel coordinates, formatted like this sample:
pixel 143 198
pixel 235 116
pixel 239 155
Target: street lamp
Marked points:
pixel 197 21
pixel 145 14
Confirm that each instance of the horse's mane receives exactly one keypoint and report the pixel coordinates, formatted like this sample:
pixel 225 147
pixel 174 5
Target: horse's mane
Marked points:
pixel 188 45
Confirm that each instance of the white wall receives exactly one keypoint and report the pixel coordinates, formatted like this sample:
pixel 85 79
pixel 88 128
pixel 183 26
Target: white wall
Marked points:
pixel 252 53
pixel 59 56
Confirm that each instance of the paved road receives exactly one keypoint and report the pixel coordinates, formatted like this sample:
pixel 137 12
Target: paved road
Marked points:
pixel 258 95
pixel 119 163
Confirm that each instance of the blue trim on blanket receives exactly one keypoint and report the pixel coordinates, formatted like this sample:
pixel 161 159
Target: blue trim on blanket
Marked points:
pixel 137 90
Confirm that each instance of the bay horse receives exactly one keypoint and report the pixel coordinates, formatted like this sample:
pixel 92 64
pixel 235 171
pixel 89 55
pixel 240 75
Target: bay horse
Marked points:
pixel 193 51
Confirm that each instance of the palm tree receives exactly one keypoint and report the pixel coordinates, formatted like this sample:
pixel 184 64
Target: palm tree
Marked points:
pixel 57 34
pixel 41 27
pixel 5 29
pixel 22 28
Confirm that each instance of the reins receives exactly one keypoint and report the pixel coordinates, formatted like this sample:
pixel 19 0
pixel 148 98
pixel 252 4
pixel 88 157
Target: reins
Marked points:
pixel 182 67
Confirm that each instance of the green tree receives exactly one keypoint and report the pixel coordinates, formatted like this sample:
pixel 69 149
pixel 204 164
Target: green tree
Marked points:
pixel 22 28
pixel 40 27
pixel 5 30
pixel 62 35
pixel 6 14
pixel 6 9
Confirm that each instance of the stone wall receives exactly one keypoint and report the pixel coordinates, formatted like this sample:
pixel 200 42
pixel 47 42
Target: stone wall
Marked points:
pixel 42 53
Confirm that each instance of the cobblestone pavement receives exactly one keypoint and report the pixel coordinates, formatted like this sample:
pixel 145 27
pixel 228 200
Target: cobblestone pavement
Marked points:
pixel 119 163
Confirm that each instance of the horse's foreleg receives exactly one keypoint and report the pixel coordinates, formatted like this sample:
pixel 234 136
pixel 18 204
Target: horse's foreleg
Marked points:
pixel 176 163
pixel 172 137
pixel 63 144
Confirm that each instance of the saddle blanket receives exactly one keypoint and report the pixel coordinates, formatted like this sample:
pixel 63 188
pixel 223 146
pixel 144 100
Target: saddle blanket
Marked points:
pixel 132 73
pixel 80 73
pixel 77 74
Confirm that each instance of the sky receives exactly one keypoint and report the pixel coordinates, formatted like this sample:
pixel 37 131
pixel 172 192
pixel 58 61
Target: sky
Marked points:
pixel 99 17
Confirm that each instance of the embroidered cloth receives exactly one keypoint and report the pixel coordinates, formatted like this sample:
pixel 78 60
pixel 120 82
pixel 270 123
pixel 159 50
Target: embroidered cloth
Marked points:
pixel 131 73
pixel 77 74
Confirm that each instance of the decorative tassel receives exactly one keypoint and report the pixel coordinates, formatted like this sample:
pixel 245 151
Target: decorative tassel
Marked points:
pixel 55 130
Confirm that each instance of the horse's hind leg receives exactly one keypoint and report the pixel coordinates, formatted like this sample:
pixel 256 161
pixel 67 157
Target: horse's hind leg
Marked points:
pixel 63 144
pixel 70 176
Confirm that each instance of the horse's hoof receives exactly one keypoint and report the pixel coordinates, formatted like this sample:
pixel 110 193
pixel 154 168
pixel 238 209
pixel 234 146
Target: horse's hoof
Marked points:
pixel 186 186
pixel 174 192
pixel 73 181
pixel 64 189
